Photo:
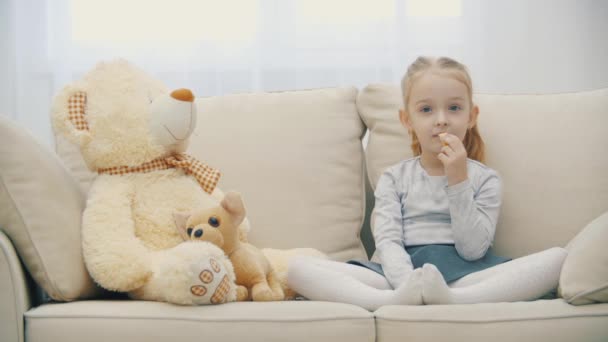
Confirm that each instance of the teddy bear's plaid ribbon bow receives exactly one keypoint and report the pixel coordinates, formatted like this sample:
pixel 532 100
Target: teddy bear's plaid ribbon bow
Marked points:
pixel 206 176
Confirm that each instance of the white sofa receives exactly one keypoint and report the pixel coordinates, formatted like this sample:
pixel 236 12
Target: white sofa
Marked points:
pixel 299 161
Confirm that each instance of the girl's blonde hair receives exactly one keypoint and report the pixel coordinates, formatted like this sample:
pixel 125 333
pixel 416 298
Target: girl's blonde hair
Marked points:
pixel 472 141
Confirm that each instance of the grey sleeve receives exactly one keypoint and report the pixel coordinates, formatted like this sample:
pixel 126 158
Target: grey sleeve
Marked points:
pixel 388 231
pixel 474 215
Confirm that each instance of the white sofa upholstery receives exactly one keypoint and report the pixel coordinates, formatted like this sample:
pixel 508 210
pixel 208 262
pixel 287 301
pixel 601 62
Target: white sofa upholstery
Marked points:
pixel 297 158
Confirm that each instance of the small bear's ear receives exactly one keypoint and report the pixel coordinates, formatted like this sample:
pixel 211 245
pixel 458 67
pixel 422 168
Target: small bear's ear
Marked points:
pixel 181 222
pixel 233 204
pixel 69 115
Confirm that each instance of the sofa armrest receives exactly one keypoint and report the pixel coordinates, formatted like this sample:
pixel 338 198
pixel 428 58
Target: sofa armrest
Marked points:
pixel 14 293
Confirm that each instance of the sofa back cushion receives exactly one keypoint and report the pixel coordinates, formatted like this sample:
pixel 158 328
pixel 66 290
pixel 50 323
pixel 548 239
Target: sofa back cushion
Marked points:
pixel 296 157
pixel 40 210
pixel 550 151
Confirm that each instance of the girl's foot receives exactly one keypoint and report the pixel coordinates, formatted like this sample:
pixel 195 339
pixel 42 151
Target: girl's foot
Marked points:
pixel 410 293
pixel 434 289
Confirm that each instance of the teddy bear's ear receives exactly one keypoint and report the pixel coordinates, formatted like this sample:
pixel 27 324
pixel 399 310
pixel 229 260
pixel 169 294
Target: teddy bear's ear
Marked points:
pixel 233 204
pixel 77 104
pixel 69 115
pixel 181 221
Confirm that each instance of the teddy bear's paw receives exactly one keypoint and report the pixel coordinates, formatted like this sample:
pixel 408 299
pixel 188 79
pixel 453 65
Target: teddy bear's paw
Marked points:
pixel 211 283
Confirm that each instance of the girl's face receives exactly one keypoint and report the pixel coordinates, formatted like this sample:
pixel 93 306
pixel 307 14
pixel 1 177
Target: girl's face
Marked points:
pixel 438 104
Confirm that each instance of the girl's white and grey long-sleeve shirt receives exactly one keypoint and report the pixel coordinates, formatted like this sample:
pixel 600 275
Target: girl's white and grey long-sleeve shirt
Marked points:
pixel 413 208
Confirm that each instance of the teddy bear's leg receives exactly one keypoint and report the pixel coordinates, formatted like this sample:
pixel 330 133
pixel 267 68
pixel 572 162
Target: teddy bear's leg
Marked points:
pixel 260 291
pixel 275 286
pixel 192 273
pixel 242 294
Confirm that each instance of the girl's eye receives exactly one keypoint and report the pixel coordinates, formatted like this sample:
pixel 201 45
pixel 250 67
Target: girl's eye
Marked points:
pixel 214 221
pixel 425 109
pixel 455 108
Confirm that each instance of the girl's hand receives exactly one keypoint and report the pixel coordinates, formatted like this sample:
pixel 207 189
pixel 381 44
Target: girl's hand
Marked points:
pixel 454 158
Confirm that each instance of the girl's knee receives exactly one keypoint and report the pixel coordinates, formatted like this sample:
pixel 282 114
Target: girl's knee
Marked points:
pixel 300 265
pixel 559 252
pixel 295 263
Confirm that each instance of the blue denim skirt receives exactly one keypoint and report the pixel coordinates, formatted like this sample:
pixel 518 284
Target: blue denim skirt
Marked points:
pixel 444 257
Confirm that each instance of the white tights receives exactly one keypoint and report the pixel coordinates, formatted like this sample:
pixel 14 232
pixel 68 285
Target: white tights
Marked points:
pixel 525 278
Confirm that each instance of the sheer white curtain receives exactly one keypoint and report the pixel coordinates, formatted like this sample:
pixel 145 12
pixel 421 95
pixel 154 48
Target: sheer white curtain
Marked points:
pixel 219 47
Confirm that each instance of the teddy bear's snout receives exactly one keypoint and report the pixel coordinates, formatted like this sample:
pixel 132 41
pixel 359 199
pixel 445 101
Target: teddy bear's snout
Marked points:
pixel 183 94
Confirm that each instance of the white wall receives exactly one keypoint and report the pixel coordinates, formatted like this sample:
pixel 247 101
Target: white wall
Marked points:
pixel 519 46
pixel 552 46
pixel 7 90
pixel 510 46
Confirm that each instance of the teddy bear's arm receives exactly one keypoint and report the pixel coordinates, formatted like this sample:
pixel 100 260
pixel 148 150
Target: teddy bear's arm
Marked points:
pixel 114 256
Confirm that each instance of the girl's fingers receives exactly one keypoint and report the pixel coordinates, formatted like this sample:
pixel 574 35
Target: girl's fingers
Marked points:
pixel 443 157
pixel 447 150
pixel 443 137
pixel 451 141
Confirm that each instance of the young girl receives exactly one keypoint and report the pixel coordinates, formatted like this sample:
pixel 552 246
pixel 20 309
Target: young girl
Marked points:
pixel 435 214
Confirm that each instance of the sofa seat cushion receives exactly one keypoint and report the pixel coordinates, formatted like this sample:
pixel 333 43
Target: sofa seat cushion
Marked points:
pixel 134 321
pixel 540 320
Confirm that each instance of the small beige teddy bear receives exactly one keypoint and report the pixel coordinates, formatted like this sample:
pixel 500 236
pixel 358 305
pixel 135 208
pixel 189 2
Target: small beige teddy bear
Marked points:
pixel 255 277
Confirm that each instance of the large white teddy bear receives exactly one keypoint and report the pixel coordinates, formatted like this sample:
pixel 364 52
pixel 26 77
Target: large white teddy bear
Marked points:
pixel 132 131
